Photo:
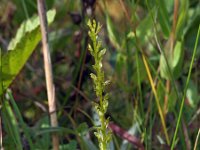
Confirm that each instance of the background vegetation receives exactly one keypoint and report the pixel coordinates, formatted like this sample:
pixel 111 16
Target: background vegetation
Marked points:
pixel 152 61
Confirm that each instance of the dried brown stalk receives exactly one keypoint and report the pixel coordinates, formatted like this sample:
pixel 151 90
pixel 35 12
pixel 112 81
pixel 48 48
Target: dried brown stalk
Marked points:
pixel 48 71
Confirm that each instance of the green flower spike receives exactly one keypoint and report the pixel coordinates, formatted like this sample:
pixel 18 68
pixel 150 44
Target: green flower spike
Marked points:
pixel 103 134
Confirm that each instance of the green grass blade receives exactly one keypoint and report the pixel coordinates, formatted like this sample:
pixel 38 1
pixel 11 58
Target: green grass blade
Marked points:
pixel 11 125
pixel 21 121
pixel 185 89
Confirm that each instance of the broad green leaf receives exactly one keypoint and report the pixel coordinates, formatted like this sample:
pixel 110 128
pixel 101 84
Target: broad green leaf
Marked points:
pixel 21 47
pixel 174 60
pixel 177 59
pixel 29 26
pixel 164 72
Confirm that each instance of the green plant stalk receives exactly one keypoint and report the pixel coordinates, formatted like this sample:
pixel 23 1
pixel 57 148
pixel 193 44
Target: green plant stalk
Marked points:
pixel 185 89
pixel 102 134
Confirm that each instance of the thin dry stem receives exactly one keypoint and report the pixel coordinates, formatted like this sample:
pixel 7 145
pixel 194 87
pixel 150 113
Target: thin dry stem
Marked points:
pixel 171 42
pixel 48 71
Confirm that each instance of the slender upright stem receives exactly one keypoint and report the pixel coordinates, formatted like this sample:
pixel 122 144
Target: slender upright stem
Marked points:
pixel 48 71
pixel 185 90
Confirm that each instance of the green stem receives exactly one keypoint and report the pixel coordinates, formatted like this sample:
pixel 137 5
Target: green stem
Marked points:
pixel 185 89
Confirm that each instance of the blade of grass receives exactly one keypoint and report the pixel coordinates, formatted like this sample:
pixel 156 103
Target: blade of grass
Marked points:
pixel 185 89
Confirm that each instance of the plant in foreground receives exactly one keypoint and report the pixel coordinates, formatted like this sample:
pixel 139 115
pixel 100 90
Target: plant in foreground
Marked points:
pixel 103 135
